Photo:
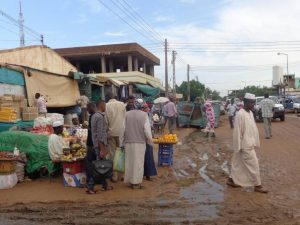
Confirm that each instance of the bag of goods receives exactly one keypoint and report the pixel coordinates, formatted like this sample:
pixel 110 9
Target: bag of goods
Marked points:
pixel 42 125
pixel 119 160
pixel 81 133
pixel 56 117
pixel 42 122
pixel 20 167
pixel 8 181
pixel 74 180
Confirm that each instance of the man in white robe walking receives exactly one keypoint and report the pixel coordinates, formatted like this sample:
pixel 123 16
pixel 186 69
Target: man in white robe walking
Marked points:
pixel 245 168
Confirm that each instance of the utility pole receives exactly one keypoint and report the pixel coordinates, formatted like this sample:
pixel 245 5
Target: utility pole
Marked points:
pixel 21 27
pixel 188 83
pixel 174 78
pixel 166 68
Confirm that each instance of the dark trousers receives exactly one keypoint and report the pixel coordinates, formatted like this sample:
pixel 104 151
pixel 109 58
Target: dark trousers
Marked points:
pixel 92 155
pixel 231 120
pixel 149 164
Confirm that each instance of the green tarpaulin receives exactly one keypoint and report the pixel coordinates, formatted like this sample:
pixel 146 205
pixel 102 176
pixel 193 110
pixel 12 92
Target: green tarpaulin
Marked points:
pixel 34 146
pixel 148 90
pixel 20 125
pixel 9 76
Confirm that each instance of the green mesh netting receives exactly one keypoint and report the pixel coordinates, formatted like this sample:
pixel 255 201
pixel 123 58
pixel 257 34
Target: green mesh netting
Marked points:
pixel 34 146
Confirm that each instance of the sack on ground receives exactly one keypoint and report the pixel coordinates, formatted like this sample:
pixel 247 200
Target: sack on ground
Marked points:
pixel 119 160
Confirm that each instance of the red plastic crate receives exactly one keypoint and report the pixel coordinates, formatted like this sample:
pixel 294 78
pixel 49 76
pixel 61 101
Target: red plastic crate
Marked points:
pixel 74 167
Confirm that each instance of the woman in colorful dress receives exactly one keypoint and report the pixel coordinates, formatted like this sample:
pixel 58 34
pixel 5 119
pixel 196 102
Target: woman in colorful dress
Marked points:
pixel 210 117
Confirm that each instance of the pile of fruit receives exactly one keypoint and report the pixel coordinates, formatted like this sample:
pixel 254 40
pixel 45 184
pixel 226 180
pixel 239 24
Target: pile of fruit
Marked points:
pixel 74 153
pixel 167 138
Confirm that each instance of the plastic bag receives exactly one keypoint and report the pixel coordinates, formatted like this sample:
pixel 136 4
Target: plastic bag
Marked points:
pixel 8 181
pixel 119 160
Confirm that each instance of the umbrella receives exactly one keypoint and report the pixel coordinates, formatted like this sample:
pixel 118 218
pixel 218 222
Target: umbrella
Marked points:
pixel 161 100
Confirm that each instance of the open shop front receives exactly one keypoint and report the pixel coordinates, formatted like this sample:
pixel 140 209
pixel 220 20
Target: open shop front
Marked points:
pixel 24 140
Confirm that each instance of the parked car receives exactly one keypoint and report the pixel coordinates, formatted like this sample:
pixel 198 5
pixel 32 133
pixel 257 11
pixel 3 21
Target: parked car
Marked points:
pixel 296 105
pixel 278 112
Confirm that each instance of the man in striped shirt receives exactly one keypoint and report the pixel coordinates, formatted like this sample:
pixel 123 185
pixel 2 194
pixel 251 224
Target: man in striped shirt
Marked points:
pixel 267 107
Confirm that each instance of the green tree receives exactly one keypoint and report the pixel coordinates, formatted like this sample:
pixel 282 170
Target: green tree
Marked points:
pixel 257 90
pixel 197 89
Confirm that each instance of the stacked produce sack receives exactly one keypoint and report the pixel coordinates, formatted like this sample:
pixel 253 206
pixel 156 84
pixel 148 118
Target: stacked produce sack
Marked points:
pixel 8 176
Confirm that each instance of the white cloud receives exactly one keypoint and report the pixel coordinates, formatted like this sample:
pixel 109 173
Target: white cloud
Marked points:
pixel 115 34
pixel 93 5
pixel 161 18
pixel 239 21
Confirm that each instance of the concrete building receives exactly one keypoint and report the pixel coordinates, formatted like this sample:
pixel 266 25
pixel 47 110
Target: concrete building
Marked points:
pixel 111 58
pixel 38 57
pixel 121 68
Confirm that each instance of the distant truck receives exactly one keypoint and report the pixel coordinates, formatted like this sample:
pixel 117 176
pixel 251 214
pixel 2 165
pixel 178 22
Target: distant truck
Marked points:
pixel 278 112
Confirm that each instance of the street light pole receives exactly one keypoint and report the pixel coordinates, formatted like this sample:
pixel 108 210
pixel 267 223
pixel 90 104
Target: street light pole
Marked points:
pixel 287 68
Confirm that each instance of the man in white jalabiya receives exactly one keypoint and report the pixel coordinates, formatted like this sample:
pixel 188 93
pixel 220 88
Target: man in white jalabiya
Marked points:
pixel 136 135
pixel 245 168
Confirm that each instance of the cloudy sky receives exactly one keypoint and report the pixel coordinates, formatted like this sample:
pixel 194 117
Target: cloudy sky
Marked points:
pixel 228 43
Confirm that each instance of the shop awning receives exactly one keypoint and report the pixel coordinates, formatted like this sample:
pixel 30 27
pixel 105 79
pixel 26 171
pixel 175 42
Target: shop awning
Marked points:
pixel 95 82
pixel 10 76
pixel 153 84
pixel 117 83
pixel 148 90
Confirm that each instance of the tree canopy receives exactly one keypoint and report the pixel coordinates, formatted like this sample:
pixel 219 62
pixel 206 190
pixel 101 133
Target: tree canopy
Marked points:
pixel 197 89
pixel 257 90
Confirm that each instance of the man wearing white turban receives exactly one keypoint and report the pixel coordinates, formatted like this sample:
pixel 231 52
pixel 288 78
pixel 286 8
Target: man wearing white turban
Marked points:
pixel 245 168
pixel 56 141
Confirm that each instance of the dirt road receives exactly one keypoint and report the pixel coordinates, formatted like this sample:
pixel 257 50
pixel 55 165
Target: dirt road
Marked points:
pixel 193 191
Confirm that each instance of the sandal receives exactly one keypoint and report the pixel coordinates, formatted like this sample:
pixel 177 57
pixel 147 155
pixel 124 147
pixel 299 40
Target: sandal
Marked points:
pixel 91 192
pixel 107 188
pixel 136 186
pixel 260 189
pixel 231 183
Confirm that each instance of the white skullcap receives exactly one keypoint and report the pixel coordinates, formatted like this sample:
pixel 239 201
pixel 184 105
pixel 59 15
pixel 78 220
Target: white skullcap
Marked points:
pixel 139 103
pixel 249 96
pixel 57 124
pixel 74 116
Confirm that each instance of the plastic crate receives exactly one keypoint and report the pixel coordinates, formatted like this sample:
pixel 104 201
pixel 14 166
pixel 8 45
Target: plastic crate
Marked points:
pixel 165 160
pixel 165 149
pixel 74 167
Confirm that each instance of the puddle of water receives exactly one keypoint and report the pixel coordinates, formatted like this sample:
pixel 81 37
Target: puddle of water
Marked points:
pixel 183 172
pixel 224 167
pixel 191 163
pixel 204 157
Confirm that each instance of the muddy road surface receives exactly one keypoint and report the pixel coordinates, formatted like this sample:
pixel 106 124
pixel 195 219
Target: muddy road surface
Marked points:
pixel 192 191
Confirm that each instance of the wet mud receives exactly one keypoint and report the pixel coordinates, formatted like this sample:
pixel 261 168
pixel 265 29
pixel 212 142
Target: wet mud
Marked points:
pixel 192 191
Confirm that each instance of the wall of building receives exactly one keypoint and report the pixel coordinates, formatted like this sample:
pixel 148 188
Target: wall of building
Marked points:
pixel 297 82
pixel 38 57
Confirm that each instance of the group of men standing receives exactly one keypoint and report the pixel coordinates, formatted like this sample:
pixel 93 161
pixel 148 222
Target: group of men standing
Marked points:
pixel 111 127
